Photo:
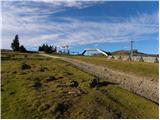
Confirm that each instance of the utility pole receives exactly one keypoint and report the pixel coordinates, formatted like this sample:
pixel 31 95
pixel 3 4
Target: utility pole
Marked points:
pixel 131 50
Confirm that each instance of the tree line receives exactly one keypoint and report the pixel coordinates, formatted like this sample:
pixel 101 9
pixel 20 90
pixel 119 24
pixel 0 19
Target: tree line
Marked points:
pixel 15 45
pixel 47 48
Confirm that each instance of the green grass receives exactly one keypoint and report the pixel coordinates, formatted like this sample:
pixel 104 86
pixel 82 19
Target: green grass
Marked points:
pixel 137 68
pixel 21 99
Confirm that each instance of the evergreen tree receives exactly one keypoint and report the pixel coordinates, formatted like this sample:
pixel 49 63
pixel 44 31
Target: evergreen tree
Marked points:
pixel 15 44
pixel 22 48
pixel 40 48
pixel 46 48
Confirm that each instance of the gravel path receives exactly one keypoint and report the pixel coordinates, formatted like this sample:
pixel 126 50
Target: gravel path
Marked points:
pixel 139 85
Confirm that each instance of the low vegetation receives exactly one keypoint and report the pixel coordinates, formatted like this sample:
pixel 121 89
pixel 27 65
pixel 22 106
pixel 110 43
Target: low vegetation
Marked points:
pixel 38 87
pixel 137 68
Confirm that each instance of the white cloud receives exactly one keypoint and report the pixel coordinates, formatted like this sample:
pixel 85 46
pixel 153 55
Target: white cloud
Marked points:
pixel 34 27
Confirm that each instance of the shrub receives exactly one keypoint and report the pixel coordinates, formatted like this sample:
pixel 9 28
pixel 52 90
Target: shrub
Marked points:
pixel 22 49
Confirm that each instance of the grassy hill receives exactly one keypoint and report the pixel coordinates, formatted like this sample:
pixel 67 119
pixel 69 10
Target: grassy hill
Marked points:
pixel 135 53
pixel 137 68
pixel 38 87
pixel 121 52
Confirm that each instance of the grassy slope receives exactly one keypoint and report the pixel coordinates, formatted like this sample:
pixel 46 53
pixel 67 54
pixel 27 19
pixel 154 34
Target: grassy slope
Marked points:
pixel 138 68
pixel 50 100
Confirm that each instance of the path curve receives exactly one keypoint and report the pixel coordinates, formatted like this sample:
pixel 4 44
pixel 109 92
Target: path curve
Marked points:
pixel 139 85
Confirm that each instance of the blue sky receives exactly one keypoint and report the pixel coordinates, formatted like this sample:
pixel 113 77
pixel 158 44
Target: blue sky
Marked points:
pixel 82 24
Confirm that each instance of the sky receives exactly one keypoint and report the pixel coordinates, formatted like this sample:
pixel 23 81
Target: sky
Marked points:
pixel 107 25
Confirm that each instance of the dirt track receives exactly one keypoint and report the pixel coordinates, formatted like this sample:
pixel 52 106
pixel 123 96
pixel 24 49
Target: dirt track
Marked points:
pixel 139 85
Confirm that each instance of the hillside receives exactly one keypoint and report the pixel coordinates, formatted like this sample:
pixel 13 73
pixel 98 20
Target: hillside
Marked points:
pixel 39 87
pixel 135 53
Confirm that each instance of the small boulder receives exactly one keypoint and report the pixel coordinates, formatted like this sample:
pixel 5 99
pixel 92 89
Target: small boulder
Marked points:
pixel 75 92
pixel 50 78
pixel 94 82
pixel 74 84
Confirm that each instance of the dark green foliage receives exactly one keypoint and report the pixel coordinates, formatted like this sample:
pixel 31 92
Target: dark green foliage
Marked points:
pixel 22 49
pixel 46 48
pixel 40 48
pixel 15 44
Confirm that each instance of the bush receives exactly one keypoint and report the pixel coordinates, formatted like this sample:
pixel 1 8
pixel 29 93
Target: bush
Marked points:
pixel 22 49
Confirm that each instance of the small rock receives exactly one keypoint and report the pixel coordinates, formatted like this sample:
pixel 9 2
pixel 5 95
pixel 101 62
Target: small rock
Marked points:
pixel 50 78
pixel 75 92
pixel 93 83
pixel 74 84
